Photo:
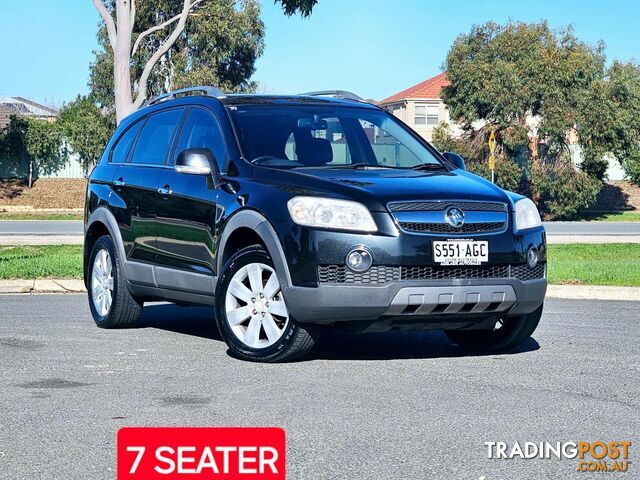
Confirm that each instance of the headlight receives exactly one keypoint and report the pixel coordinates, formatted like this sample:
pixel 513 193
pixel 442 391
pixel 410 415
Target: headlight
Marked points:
pixel 329 213
pixel 527 215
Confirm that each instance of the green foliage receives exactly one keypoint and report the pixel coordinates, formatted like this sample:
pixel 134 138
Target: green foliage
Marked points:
pixel 560 190
pixel 86 129
pixel 595 166
pixel 537 89
pixel 505 74
pixel 631 166
pixel 608 121
pixel 291 7
pixel 219 46
pixel 536 86
pixel 37 142
pixel 508 174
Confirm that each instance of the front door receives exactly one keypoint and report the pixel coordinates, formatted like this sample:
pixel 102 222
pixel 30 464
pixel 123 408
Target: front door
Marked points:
pixel 187 211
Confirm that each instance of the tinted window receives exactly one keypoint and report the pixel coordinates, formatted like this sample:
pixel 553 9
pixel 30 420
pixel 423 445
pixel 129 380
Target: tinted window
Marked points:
pixel 389 151
pixel 330 130
pixel 155 137
pixel 201 131
pixel 326 136
pixel 123 145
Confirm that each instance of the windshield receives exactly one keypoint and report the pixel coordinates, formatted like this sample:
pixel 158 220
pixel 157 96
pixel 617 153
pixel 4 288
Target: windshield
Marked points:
pixel 327 136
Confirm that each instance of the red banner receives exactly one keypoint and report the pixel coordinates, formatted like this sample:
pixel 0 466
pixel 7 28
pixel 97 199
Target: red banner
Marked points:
pixel 152 453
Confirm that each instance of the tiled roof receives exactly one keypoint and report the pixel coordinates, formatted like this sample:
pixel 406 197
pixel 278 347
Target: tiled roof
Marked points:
pixel 428 89
pixel 21 106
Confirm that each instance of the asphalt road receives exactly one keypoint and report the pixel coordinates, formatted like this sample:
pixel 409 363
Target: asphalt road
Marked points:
pixel 381 406
pixel 41 227
pixel 74 227
pixel 592 228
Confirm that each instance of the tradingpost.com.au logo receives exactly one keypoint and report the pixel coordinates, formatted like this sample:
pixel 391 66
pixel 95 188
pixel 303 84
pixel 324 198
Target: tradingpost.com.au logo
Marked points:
pixel 591 457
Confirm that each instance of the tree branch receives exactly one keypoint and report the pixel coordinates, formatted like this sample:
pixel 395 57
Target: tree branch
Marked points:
pixel 160 26
pixel 168 43
pixel 108 20
pixel 133 14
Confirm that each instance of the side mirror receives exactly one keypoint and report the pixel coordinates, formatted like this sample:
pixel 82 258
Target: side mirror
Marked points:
pixel 196 161
pixel 455 159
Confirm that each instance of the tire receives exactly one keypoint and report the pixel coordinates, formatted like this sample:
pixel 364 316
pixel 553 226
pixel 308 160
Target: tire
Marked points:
pixel 254 321
pixel 512 333
pixel 123 310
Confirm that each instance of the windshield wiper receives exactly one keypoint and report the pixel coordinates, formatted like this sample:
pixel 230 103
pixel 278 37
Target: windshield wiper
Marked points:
pixel 360 166
pixel 431 167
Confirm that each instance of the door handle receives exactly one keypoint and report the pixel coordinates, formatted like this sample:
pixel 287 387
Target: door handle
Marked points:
pixel 119 182
pixel 165 191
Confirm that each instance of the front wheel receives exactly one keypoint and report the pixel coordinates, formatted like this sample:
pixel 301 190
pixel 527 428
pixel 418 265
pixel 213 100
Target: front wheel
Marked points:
pixel 507 334
pixel 252 315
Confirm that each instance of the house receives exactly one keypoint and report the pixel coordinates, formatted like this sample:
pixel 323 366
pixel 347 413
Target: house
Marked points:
pixel 9 168
pixel 421 107
pixel 21 106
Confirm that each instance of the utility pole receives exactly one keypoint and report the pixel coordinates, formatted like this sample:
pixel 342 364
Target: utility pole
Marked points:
pixel 492 159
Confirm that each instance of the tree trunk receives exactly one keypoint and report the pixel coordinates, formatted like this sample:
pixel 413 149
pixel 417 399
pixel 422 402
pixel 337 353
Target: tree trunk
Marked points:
pixel 120 34
pixel 122 60
pixel 532 145
pixel 30 173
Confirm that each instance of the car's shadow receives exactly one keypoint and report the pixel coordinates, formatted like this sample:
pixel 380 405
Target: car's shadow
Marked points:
pixel 195 321
pixel 199 322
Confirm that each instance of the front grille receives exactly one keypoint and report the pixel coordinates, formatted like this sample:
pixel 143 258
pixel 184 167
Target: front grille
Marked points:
pixel 378 275
pixel 341 274
pixel 451 272
pixel 446 228
pixel 524 273
pixel 441 205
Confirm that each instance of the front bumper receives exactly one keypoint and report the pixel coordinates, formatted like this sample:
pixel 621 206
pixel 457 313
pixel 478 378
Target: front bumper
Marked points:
pixel 419 300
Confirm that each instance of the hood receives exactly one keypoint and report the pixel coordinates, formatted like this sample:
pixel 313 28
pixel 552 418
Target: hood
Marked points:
pixel 376 187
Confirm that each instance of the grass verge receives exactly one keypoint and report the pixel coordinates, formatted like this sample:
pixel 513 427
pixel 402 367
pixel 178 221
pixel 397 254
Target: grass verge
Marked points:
pixel 573 264
pixel 41 216
pixel 43 261
pixel 611 216
pixel 594 264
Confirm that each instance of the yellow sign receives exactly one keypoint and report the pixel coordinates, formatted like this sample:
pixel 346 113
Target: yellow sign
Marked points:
pixel 492 162
pixel 492 142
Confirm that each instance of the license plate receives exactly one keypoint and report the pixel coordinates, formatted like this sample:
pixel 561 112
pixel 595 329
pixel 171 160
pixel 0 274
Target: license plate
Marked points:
pixel 460 252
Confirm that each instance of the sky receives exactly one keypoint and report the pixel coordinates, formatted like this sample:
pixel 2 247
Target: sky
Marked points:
pixel 371 47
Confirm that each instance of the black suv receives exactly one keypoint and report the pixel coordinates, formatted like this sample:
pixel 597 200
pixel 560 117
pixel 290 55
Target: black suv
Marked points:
pixel 292 213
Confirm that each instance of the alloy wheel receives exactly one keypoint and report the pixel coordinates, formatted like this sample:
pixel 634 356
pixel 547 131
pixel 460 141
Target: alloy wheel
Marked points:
pixel 254 306
pixel 102 282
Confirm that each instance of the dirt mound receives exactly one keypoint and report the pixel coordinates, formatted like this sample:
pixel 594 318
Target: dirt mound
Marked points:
pixel 619 195
pixel 46 193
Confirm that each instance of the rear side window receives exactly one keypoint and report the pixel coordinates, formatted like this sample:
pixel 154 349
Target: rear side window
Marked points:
pixel 155 137
pixel 122 147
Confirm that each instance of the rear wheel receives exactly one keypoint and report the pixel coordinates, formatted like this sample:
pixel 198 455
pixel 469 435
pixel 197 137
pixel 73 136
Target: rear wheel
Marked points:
pixel 110 301
pixel 507 334
pixel 252 315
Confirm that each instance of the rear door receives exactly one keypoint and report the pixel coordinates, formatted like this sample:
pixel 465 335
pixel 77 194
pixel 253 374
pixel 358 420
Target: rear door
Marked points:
pixel 186 216
pixel 137 183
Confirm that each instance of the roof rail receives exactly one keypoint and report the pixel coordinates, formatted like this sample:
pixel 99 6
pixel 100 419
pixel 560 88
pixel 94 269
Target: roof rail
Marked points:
pixel 342 94
pixel 208 91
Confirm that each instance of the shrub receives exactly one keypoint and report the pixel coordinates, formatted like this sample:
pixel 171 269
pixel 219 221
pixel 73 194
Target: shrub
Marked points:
pixel 596 167
pixel 631 166
pixel 562 191
pixel 508 174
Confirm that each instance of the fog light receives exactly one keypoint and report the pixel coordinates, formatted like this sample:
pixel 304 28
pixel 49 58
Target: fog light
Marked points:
pixel 359 260
pixel 532 257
